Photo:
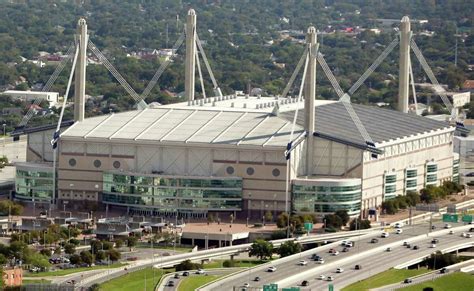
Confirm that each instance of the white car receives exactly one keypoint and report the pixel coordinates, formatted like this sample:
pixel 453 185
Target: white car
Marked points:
pixel 320 261
pixel 302 263
pixel 447 225
pixel 339 270
pixel 349 244
pixel 200 271
pixel 385 234
pixel 330 278
pixel 335 253
pixel 399 231
pixel 322 277
pixel 469 235
pixel 433 246
pixel 271 269
pixel 343 243
pixel 246 285
pixel 399 225
pixel 463 234
pixel 451 232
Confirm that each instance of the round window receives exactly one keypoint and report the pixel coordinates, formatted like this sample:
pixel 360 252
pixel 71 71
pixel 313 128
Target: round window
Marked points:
pixel 229 170
pixel 250 171
pixel 276 172
pixel 72 162
pixel 116 164
pixel 97 163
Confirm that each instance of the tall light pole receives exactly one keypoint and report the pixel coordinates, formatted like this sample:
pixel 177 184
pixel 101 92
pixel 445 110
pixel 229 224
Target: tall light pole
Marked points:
pixel 4 137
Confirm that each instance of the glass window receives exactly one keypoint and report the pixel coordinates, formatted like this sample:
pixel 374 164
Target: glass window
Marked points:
pixel 390 179
pixel 390 189
pixel 411 173
pixel 430 168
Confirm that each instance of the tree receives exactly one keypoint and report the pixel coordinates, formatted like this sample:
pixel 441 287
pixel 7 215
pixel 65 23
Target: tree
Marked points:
pixel 289 248
pixel 37 260
pixel 69 249
pixel 389 207
pixel 268 216
pixel 361 224
pixel 333 221
pixel 261 249
pixel 282 220
pixel 10 207
pixel 343 215
pixel 118 243
pixel 100 256
pixel 187 265
pixel 87 257
pixel 131 241
pixel 75 259
pixel 113 255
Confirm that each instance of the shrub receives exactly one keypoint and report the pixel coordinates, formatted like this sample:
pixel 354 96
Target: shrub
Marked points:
pixel 187 265
pixel 229 264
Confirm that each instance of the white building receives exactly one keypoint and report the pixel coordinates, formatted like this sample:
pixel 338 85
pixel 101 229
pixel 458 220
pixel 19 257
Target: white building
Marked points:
pixel 29 96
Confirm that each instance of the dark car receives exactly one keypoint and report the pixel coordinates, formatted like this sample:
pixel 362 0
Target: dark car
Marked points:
pixel 433 227
pixel 256 279
pixel 185 274
pixel 358 267
pixel 408 246
pixel 374 240
pixel 176 276
pixel 305 283
pixel 444 270
pixel 170 284
pixel 471 229
pixel 415 247
pixel 435 241
pixel 407 281
pixel 345 250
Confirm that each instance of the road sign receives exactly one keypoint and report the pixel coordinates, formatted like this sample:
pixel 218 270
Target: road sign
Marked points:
pixel 308 226
pixel 291 289
pixel 450 218
pixel 270 287
pixel 467 218
pixel 331 287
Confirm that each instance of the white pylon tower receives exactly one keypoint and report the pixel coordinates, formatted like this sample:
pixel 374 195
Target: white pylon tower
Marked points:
pixel 310 95
pixel 190 66
pixel 404 64
pixel 80 73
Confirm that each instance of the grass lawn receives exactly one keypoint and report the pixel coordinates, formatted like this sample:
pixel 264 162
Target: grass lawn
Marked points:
pixel 385 278
pixel 194 282
pixel 71 271
pixel 454 281
pixel 135 281
pixel 238 263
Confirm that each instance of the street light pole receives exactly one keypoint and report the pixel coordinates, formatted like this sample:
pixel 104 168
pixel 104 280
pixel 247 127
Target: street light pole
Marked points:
pixel 4 137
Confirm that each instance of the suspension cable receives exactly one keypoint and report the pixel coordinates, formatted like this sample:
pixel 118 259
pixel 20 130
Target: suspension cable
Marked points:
pixel 114 72
pixel 198 63
pixel 208 67
pixel 374 65
pixel 412 84
pixel 437 87
pixel 330 76
pixel 48 85
pixel 295 73
pixel 163 67
pixel 299 95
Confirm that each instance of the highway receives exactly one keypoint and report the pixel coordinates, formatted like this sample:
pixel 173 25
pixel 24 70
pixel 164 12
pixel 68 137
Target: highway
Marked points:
pixel 164 283
pixel 289 273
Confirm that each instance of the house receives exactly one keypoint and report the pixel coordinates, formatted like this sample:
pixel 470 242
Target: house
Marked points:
pixel 12 277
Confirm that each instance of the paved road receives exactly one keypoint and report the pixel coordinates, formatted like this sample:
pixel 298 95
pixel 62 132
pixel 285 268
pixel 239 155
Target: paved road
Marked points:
pixel 164 286
pixel 286 270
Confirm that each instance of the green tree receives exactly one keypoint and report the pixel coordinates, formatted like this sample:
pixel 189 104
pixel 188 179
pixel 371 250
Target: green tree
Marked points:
pixel 289 248
pixel 389 207
pixel 100 256
pixel 87 257
pixel 268 216
pixel 69 249
pixel 10 207
pixel 343 215
pixel 113 255
pixel 261 249
pixel 361 224
pixel 118 243
pixel 282 220
pixel 37 260
pixel 131 242
pixel 333 221
pixel 75 259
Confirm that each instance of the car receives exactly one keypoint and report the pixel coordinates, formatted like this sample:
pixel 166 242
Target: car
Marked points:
pixel 463 234
pixel 443 270
pixel 385 234
pixel 469 235
pixel 405 243
pixel 408 246
pixel 398 225
pixel 335 253
pixel 332 251
pixel 349 244
pixel 357 267
pixel 447 225
pixel 415 247
pixel 399 231
pixel 343 243
pixel 407 281
pixel 389 249
pixel 433 227
pixel 345 250
pixel 471 174
pixel 271 269
pixel 321 277
pixel 185 274
pixel 451 232
pixel 246 285
pixel 170 284
pixel 433 246
pixel 314 256
pixel 330 278
pixel 305 283
pixel 374 241
pixel 320 261
pixel 302 263
pixel 176 276
pixel 256 279
pixel 339 270
pixel 471 229
pixel 200 271
pixel 435 241
pixel 317 258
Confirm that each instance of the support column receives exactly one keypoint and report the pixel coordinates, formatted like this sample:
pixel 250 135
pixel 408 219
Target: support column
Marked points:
pixel 309 96
pixel 190 66
pixel 404 65
pixel 80 73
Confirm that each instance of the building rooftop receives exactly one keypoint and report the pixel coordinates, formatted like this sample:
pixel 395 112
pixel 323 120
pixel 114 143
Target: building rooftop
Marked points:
pixel 230 123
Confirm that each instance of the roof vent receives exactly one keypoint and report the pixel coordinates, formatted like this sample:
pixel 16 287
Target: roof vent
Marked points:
pixel 256 106
pixel 276 97
pixel 201 103
pixel 246 96
pixel 189 102
pixel 245 105
pixel 232 104
pixel 258 96
pixel 214 104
